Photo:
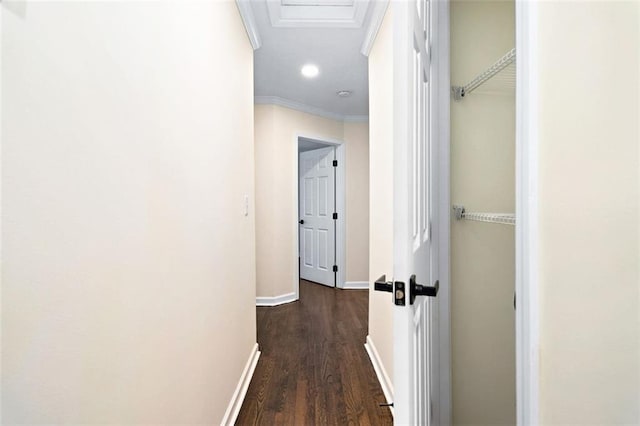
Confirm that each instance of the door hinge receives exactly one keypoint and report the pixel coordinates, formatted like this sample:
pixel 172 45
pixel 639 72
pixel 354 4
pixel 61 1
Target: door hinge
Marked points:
pixel 335 163
pixel 429 232
pixel 335 216
pixel 335 268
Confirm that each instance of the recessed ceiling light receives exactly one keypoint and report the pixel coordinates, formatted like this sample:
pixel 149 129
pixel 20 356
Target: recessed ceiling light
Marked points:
pixel 344 93
pixel 310 71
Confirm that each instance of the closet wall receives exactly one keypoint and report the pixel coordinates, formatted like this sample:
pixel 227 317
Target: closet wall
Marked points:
pixel 482 254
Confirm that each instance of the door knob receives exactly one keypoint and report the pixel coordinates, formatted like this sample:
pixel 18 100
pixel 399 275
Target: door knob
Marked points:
pixel 422 290
pixel 381 284
pixel 301 221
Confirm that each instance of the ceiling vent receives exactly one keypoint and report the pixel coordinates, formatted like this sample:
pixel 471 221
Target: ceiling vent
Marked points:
pixel 317 13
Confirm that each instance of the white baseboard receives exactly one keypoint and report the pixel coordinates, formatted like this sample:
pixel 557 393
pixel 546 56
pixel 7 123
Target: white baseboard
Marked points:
pixel 237 399
pixel 276 300
pixel 383 377
pixel 356 285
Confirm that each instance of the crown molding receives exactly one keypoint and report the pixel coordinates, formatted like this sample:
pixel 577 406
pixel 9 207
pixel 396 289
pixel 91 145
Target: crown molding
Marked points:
pixel 275 100
pixel 377 16
pixel 298 106
pixel 246 13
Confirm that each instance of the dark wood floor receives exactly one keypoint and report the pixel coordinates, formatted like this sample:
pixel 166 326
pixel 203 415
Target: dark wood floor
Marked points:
pixel 314 369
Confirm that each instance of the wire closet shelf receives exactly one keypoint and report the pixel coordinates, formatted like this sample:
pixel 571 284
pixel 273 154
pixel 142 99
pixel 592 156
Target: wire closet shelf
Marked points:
pixel 501 218
pixel 459 92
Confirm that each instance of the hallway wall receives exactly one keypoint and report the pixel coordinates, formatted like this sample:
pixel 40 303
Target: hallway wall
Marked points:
pixel 356 137
pixel 588 58
pixel 381 199
pixel 128 275
pixel 276 128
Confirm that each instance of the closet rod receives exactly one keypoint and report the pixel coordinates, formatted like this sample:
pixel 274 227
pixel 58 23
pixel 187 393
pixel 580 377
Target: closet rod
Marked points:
pixel 502 218
pixel 459 92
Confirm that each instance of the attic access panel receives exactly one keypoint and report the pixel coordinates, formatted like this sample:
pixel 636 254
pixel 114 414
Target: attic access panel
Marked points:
pixel 317 13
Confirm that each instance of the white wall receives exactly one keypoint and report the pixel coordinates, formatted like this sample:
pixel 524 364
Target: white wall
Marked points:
pixel 128 277
pixel 276 130
pixel 482 254
pixel 588 67
pixel 381 190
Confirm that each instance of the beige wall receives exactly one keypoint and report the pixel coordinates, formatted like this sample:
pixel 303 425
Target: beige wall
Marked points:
pixel 276 130
pixel 128 279
pixel 381 193
pixel 274 172
pixel 588 65
pixel 356 138
pixel 482 254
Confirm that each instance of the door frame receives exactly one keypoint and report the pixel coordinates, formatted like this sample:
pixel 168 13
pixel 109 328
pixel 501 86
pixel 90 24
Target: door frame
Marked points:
pixel 527 312
pixel 341 238
pixel 442 94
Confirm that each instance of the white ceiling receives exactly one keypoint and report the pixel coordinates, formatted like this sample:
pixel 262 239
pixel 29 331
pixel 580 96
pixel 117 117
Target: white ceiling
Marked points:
pixel 293 35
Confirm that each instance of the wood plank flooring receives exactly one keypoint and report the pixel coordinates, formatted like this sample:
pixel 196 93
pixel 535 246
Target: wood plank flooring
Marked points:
pixel 314 369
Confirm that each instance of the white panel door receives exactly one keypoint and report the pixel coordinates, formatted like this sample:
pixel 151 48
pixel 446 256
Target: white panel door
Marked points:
pixel 415 249
pixel 317 226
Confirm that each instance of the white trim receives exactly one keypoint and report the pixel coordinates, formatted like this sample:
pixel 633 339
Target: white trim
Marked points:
pixel 356 285
pixel 341 209
pixel 385 382
pixel 341 238
pixel 246 13
pixel 276 300
pixel 275 100
pixel 441 87
pixel 237 398
pixel 298 106
pixel 527 312
pixel 377 16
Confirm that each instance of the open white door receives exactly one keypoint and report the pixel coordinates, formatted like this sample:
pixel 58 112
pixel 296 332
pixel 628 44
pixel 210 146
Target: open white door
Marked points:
pixel 416 254
pixel 317 226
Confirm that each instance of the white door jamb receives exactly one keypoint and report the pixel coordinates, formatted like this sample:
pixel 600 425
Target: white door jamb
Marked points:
pixel 527 305
pixel 442 95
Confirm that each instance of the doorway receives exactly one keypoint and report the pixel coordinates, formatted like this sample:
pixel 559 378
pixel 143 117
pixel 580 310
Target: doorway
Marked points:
pixel 483 193
pixel 321 211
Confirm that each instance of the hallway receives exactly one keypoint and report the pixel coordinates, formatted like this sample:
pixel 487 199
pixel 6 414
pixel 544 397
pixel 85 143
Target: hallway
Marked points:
pixel 314 369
